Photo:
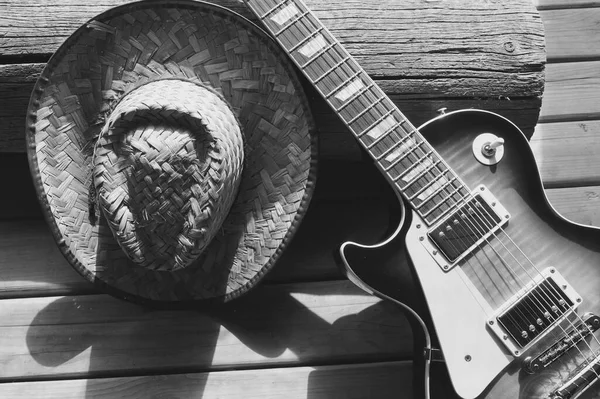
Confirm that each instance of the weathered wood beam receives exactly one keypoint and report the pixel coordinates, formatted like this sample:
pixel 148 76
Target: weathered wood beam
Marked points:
pixel 466 59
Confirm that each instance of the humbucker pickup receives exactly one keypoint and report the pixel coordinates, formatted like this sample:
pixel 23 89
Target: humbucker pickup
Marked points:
pixel 534 311
pixel 468 226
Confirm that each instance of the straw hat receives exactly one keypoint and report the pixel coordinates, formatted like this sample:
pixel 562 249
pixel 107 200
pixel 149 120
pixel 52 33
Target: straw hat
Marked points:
pixel 172 150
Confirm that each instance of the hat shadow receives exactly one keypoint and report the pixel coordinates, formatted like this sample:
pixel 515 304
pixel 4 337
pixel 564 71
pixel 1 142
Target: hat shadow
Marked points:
pixel 121 347
pixel 131 346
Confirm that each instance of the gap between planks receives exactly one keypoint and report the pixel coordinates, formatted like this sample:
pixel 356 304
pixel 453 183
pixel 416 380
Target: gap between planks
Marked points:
pixel 376 380
pixel 287 325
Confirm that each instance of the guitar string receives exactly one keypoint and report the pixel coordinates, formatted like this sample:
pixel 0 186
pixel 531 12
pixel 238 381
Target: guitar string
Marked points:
pixel 572 311
pixel 536 299
pixel 437 182
pixel 331 70
pixel 557 319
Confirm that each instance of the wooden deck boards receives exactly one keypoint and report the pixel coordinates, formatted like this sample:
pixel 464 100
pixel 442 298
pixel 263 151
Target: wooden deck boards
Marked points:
pixel 305 333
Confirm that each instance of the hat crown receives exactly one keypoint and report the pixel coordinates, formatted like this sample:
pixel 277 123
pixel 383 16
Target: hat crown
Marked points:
pixel 167 166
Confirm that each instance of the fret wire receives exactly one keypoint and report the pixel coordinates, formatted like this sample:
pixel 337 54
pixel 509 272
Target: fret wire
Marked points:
pixel 436 192
pixel 382 117
pixel 414 165
pixel 456 190
pixel 355 96
pixel 383 136
pixel 344 83
pixel 367 109
pixel 337 52
pixel 445 212
pixel 333 68
pixel 430 184
pixel 317 55
pixel 290 23
pixel 396 161
pixel 307 38
pixel 419 175
pixel 386 152
pixel 272 9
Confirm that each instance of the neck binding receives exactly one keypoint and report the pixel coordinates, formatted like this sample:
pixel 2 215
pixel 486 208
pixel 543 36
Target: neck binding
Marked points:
pixel 400 151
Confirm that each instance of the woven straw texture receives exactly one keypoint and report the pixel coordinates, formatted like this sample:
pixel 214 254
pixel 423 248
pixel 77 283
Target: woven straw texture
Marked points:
pixel 167 166
pixel 99 111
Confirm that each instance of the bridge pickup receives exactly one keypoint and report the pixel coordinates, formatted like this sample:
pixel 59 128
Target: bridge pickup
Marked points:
pixel 580 380
pixel 534 311
pixel 466 228
pixel 589 324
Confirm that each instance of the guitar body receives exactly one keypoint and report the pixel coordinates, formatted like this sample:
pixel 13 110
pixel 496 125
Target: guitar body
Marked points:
pixel 460 302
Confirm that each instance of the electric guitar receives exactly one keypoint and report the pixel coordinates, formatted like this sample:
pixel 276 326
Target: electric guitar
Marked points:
pixel 511 287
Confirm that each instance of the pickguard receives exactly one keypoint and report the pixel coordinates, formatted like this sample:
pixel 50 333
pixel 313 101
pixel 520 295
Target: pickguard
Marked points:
pixel 459 312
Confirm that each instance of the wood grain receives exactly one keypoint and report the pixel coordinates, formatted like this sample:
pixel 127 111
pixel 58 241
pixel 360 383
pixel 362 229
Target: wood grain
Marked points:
pixel 572 92
pixel 298 324
pixel 465 60
pixel 572 34
pixel 564 4
pixel 567 153
pixel 380 380
pixel 579 204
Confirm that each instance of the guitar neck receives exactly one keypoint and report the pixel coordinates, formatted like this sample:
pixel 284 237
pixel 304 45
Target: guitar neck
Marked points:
pixel 400 151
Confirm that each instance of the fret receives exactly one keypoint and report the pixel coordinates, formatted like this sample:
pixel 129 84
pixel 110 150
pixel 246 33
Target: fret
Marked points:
pixel 402 157
pixel 271 10
pixel 317 55
pixel 374 124
pixel 443 187
pixel 290 23
pixel 307 38
pixel 383 136
pixel 333 68
pixel 285 14
pixel 367 109
pixel 414 167
pixel 396 145
pixel 344 83
pixel 455 191
pixel 430 184
pixel 354 97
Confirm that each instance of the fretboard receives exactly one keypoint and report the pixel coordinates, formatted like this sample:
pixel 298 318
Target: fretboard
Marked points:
pixel 400 151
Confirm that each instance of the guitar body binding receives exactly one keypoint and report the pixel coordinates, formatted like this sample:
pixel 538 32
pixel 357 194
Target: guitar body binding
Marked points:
pixel 462 302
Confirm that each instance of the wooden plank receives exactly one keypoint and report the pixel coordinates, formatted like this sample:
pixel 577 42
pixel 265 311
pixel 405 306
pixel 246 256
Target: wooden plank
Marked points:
pixel 16 84
pixel 32 265
pixel 567 153
pixel 572 34
pixel 561 4
pixel 389 29
pixel 293 325
pixel 579 204
pixel 377 380
pixel 572 92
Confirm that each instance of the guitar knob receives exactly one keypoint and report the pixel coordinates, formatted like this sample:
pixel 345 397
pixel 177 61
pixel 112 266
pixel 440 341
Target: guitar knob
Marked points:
pixel 488 148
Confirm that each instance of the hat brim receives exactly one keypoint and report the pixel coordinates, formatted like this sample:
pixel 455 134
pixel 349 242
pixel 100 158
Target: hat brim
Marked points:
pixel 125 47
